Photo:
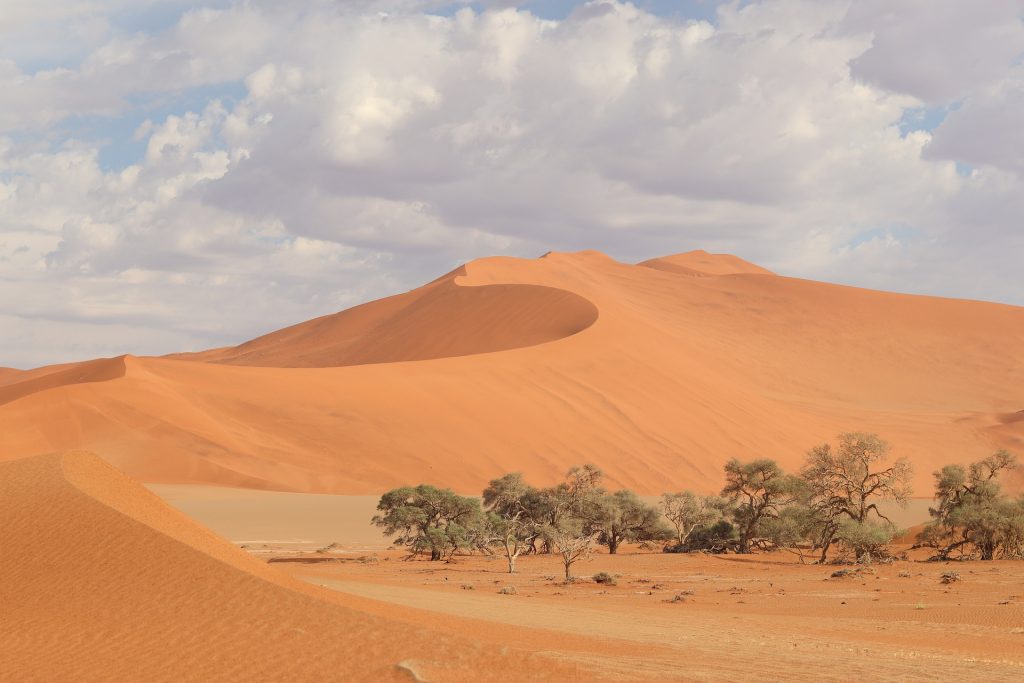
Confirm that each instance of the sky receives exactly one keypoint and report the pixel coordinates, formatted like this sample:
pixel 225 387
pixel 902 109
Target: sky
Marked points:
pixel 181 175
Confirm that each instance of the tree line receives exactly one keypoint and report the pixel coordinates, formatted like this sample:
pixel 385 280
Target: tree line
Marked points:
pixel 833 501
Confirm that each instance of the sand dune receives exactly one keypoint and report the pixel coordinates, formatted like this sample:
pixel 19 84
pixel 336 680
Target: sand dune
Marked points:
pixel 655 375
pixel 99 580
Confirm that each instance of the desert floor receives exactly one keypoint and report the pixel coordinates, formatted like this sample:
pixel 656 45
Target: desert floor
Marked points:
pixel 679 617
pixel 696 617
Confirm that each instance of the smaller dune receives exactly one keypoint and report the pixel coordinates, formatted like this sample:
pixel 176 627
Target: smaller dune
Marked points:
pixel 702 264
pixel 21 384
pixel 100 580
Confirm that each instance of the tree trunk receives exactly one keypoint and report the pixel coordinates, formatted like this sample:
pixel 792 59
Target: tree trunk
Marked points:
pixel 435 554
pixel 613 545
pixel 744 545
pixel 824 550
pixel 568 577
pixel 511 564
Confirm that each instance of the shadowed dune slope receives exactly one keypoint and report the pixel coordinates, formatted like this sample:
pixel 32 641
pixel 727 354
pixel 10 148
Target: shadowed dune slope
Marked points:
pixel 439 320
pixel 16 385
pixel 674 376
pixel 100 580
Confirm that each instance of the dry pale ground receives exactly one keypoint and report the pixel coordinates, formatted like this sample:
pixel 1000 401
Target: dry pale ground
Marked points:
pixel 657 372
pixel 274 521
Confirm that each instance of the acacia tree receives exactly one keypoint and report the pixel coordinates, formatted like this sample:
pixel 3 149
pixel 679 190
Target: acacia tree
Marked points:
pixel 576 497
pixel 760 489
pixel 687 512
pixel 428 519
pixel 623 517
pixel 508 500
pixel 972 513
pixel 844 486
pixel 571 539
pixel 793 529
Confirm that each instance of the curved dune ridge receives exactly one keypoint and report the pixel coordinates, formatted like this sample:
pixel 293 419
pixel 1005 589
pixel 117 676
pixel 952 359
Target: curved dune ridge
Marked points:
pixel 440 320
pixel 100 580
pixel 655 375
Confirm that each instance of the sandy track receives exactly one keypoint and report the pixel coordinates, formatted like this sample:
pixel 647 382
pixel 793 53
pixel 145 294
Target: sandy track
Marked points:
pixel 744 618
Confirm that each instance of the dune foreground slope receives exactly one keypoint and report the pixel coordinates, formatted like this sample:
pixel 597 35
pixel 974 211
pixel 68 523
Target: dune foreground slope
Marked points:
pixel 657 372
pixel 100 580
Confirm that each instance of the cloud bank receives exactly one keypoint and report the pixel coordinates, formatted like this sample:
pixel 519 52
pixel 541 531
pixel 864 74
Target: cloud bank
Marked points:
pixel 183 176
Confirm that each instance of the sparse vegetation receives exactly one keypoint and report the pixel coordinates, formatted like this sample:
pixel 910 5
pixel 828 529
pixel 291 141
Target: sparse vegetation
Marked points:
pixel 604 578
pixel 842 488
pixel 834 501
pixel 973 517
pixel 760 489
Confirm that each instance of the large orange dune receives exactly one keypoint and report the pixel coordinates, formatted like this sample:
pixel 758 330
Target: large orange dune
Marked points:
pixel 657 372
pixel 100 580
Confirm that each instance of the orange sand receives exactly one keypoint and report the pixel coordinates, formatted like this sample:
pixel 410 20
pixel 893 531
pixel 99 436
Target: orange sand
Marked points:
pixel 100 580
pixel 745 617
pixel 658 373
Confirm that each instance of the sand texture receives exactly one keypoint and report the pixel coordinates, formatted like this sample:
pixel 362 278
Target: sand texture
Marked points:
pixel 658 373
pixel 101 581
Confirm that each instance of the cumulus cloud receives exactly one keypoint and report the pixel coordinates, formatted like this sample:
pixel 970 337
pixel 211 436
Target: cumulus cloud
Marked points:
pixel 373 145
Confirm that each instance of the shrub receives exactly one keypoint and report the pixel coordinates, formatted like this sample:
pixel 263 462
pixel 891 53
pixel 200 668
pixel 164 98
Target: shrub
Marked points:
pixel 605 578
pixel 716 538
pixel 507 590
pixel 949 577
pixel 868 540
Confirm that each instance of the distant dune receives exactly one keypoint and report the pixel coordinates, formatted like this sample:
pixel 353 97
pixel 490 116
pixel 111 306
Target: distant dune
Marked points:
pixel 100 580
pixel 702 264
pixel 657 372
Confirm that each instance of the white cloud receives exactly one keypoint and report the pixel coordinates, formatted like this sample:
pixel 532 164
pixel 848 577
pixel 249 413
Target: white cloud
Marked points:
pixel 937 50
pixel 376 146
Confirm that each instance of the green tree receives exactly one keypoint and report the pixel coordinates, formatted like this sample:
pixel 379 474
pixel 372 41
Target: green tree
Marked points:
pixel 425 518
pixel 512 504
pixel 623 517
pixel 687 512
pixel 578 497
pixel 844 485
pixel 760 489
pixel 795 527
pixel 973 516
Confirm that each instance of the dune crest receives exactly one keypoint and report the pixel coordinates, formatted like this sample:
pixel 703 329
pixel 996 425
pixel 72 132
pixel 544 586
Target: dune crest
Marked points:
pixel 100 580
